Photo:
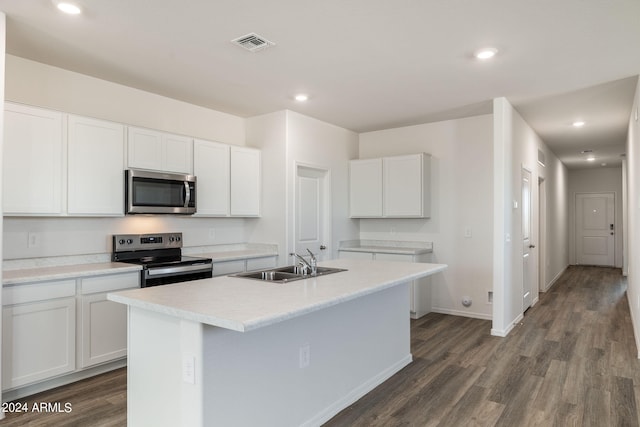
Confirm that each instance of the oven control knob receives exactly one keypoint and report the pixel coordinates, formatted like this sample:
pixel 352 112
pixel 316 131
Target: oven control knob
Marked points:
pixel 121 241
pixel 129 241
pixel 172 239
pixel 178 238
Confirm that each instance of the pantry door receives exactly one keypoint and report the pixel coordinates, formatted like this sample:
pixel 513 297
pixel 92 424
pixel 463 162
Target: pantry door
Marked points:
pixel 595 229
pixel 312 204
pixel 528 256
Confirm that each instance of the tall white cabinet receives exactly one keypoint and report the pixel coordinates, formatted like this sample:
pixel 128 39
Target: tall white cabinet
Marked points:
pixel 390 187
pixel 211 166
pixel 33 161
pixel 95 167
pixel 246 178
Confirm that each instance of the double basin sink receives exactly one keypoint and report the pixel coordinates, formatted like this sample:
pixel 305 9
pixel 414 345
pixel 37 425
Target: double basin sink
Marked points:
pixel 286 274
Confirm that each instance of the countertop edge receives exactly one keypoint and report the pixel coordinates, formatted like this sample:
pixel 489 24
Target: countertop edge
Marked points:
pixel 43 274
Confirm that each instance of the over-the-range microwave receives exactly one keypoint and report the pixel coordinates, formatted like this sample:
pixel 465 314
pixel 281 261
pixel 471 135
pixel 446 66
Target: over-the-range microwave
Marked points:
pixel 148 192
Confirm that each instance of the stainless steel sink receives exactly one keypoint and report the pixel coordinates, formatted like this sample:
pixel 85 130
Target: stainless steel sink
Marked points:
pixel 285 274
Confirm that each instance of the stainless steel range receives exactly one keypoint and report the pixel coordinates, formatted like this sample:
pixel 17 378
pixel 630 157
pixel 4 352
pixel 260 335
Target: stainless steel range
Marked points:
pixel 161 258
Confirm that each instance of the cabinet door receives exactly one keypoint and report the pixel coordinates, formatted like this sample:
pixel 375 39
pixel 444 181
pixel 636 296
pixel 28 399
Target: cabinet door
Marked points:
pixel 103 330
pixel 33 161
pixel 365 188
pixel 177 152
pixel 144 149
pixel 246 178
pixel 211 167
pixel 404 186
pixel 355 255
pixel 95 167
pixel 38 341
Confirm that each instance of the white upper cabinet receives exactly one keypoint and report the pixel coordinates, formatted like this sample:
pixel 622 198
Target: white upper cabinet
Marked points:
pixel 95 167
pixel 211 166
pixel 155 150
pixel 390 187
pixel 365 188
pixel 406 186
pixel 246 176
pixel 33 161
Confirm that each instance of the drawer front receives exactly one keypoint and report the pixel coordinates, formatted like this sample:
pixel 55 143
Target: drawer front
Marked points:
pixel 112 282
pixel 19 294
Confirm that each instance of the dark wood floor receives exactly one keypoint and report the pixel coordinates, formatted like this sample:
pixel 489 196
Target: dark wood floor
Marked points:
pixel 572 361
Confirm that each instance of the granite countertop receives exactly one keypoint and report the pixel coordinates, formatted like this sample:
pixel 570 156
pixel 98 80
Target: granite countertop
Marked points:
pixel 59 272
pixel 387 246
pixel 244 304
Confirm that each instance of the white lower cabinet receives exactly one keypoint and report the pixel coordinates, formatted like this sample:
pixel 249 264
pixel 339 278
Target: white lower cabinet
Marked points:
pixel 420 290
pixel 102 324
pixel 49 326
pixel 224 268
pixel 38 332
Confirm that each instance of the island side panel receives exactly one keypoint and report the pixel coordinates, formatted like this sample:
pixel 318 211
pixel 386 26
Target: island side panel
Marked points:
pixel 260 378
pixel 159 388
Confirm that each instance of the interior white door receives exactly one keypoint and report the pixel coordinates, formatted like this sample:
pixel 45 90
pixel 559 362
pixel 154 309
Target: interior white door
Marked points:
pixel 311 230
pixel 527 245
pixel 595 229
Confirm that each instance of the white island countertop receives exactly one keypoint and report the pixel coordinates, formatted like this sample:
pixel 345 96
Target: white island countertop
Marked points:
pixel 244 304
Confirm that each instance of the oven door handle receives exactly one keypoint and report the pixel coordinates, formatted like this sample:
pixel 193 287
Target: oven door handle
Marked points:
pixel 181 269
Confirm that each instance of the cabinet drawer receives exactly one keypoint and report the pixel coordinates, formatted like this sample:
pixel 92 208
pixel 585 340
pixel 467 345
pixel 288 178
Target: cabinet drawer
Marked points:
pixel 19 294
pixel 228 267
pixel 92 285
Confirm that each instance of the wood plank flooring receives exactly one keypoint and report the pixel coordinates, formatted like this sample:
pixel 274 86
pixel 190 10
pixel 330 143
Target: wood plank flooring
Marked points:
pixel 572 361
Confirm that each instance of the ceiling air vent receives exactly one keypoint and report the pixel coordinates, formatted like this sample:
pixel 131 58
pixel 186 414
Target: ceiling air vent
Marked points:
pixel 253 42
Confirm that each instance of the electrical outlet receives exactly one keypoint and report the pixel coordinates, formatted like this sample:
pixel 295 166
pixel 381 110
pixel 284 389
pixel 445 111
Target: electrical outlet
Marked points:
pixel 489 297
pixel 305 356
pixel 33 240
pixel 212 234
pixel 468 233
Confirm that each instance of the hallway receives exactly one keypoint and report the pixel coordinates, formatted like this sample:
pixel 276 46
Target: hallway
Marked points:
pixel 572 361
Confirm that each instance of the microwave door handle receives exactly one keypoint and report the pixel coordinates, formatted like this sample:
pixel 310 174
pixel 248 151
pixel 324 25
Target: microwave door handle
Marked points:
pixel 187 194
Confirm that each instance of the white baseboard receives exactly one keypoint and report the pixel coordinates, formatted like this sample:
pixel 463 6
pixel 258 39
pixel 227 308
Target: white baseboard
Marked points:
pixel 355 394
pixel 503 333
pixel 461 313
pixel 633 326
pixel 555 279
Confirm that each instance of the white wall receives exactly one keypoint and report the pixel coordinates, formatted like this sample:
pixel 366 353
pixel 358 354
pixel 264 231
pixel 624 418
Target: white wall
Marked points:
pixel 286 139
pixel 633 216
pixel 461 197
pixel 314 143
pixel 42 85
pixel 516 147
pixel 3 26
pixel 599 180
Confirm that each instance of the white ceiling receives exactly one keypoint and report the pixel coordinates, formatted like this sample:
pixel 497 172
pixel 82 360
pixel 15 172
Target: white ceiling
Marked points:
pixel 366 64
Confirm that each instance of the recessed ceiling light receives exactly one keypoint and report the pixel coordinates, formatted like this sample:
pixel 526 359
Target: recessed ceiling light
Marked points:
pixel 578 124
pixel 603 164
pixel 67 7
pixel 301 97
pixel 591 159
pixel 486 53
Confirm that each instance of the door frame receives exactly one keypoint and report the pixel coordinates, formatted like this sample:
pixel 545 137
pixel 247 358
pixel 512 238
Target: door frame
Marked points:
pixel 327 207
pixel 532 257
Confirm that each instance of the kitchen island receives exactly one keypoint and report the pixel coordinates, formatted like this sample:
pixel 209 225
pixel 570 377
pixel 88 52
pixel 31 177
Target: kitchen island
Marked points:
pixel 233 351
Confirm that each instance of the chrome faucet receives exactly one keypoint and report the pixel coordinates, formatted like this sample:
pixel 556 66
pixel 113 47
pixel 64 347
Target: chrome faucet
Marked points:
pixel 307 268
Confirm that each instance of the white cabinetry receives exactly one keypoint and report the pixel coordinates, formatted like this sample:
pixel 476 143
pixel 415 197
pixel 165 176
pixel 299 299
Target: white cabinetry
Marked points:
pixel 390 187
pixel 33 161
pixel 155 150
pixel 246 176
pixel 365 188
pixel 211 166
pixel 95 167
pixel 102 325
pixel 420 290
pixel 38 332
pixel 224 268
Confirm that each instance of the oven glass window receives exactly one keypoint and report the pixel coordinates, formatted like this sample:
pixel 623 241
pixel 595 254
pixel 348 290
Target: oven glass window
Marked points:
pixel 152 192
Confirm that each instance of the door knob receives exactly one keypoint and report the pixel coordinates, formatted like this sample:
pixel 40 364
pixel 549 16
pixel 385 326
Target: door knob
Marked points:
pixel 532 246
pixel 323 247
